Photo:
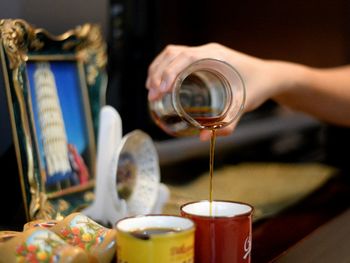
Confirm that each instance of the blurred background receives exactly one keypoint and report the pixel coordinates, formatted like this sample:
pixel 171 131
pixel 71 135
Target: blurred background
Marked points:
pixel 314 32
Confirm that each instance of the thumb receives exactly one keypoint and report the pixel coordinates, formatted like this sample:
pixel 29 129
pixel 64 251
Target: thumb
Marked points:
pixel 205 135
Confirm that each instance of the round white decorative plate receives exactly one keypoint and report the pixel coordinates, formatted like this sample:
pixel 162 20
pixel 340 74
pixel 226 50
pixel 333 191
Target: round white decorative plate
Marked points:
pixel 135 173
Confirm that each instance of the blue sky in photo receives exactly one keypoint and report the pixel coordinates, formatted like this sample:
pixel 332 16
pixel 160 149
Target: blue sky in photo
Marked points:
pixel 70 97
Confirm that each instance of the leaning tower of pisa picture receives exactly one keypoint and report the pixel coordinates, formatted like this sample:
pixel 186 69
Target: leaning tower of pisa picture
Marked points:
pixel 53 133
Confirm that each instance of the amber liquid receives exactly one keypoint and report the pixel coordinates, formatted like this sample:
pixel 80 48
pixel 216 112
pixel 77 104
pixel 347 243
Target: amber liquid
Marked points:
pixel 211 169
pixel 207 117
pixel 146 233
pixel 213 123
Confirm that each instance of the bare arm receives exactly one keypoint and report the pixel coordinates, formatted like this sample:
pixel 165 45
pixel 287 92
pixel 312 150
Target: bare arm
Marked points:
pixel 323 93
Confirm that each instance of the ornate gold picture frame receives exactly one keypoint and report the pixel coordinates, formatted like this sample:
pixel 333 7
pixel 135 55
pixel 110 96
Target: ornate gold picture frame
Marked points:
pixel 55 87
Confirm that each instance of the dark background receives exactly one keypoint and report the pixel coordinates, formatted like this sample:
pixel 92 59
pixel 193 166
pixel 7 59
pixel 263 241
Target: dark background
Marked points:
pixel 313 32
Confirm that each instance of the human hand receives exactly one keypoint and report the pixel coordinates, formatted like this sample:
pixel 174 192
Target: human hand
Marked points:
pixel 173 59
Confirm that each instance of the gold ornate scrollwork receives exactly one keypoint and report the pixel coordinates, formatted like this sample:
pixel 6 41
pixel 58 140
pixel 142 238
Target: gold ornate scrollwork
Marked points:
pixel 14 36
pixel 40 207
pixel 92 50
pixel 18 38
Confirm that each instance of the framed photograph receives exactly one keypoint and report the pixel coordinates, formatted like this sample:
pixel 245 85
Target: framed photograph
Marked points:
pixel 55 87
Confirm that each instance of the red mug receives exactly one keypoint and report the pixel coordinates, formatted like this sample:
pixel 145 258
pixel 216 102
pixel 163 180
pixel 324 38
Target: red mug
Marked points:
pixel 223 231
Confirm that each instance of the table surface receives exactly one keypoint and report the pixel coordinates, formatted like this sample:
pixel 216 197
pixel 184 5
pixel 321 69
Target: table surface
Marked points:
pixel 310 230
pixel 317 229
pixel 328 243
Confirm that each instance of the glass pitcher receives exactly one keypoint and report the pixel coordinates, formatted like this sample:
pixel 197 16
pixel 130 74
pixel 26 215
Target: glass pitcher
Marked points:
pixel 208 94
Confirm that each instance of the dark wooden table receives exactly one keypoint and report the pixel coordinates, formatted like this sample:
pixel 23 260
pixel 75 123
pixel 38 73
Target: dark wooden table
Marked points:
pixel 329 243
pixel 276 239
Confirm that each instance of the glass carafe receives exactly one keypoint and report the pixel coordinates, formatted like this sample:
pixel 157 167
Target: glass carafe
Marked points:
pixel 208 94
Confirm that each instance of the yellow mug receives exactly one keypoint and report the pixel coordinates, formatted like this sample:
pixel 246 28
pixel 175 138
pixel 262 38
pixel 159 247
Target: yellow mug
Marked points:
pixel 155 239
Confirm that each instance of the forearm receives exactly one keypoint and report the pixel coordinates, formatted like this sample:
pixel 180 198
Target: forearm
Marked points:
pixel 323 93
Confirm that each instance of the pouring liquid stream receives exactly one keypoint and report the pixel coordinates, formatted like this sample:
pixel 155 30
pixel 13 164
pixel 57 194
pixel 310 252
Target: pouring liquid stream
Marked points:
pixel 212 122
pixel 211 169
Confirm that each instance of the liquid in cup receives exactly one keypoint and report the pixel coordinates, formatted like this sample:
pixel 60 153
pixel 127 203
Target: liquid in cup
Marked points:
pixel 155 239
pixel 208 94
pixel 225 236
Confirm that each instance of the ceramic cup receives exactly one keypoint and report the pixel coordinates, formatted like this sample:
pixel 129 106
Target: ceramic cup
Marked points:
pixel 223 231
pixel 155 239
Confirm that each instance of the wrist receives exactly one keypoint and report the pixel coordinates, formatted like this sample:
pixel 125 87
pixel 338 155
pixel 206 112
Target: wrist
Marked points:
pixel 289 77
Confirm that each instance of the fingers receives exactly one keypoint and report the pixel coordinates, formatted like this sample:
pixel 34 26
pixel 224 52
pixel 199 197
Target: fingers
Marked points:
pixel 205 134
pixel 159 63
pixel 171 70
pixel 165 68
pixel 156 68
